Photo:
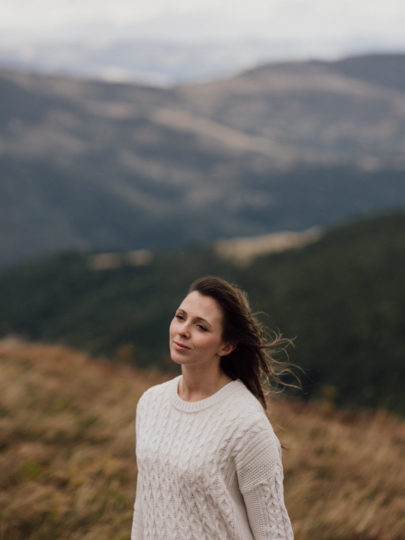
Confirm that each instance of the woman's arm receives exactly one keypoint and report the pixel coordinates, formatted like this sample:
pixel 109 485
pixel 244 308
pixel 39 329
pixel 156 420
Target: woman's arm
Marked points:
pixel 137 522
pixel 260 476
pixel 268 517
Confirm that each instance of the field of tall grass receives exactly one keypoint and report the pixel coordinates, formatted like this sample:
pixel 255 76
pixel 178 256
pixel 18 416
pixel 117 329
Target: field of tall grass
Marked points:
pixel 67 462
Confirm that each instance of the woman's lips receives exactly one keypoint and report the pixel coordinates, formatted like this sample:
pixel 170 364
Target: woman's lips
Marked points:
pixel 180 346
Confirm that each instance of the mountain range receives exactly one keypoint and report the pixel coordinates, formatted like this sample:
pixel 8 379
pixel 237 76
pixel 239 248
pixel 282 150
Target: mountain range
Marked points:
pixel 108 166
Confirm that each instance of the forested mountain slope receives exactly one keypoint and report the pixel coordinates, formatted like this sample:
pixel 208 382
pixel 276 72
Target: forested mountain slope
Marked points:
pixel 341 297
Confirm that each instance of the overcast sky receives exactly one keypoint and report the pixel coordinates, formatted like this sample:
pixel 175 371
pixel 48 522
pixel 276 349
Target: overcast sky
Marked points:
pixel 321 20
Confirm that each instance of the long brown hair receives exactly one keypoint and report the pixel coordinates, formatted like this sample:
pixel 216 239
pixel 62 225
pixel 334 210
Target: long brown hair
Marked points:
pixel 253 360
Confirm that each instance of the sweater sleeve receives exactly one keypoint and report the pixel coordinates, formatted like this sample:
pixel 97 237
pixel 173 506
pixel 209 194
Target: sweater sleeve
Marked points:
pixel 260 477
pixel 137 522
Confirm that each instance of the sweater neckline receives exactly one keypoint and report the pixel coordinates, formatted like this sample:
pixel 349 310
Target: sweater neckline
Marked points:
pixel 195 406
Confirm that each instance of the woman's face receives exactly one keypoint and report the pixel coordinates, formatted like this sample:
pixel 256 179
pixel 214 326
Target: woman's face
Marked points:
pixel 196 331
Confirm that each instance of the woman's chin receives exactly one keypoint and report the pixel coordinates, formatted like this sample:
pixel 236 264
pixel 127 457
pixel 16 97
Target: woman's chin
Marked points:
pixel 177 357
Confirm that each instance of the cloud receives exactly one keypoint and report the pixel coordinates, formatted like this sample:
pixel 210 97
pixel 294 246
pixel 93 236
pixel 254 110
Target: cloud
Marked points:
pixel 288 20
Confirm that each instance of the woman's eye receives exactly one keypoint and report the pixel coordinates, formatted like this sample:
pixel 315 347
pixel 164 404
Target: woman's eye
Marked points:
pixel 179 317
pixel 201 327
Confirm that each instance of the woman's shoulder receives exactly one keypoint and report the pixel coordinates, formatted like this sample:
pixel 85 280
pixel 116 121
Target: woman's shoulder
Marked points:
pixel 244 400
pixel 244 408
pixel 249 424
pixel 158 391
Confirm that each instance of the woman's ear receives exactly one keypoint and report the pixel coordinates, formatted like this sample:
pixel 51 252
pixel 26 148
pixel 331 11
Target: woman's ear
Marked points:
pixel 227 348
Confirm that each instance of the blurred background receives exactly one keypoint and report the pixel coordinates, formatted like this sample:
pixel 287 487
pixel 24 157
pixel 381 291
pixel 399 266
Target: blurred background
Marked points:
pixel 144 145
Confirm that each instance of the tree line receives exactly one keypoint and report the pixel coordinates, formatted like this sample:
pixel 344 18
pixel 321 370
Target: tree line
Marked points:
pixel 341 298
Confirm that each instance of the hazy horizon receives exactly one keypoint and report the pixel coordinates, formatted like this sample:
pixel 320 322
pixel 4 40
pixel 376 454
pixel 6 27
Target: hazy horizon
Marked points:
pixel 320 27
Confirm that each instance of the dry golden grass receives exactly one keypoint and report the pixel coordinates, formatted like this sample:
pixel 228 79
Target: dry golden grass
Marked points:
pixel 243 249
pixel 67 464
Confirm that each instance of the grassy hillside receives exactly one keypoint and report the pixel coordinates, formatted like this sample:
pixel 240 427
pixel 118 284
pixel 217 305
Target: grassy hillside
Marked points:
pixel 341 297
pixel 68 468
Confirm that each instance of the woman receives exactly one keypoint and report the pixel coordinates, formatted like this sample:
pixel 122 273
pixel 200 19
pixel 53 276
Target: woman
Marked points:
pixel 209 463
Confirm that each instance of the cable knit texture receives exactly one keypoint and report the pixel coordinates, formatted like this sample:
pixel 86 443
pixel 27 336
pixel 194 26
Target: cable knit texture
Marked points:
pixel 208 469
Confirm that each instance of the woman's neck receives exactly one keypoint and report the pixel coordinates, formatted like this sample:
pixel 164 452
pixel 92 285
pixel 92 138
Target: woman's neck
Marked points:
pixel 199 383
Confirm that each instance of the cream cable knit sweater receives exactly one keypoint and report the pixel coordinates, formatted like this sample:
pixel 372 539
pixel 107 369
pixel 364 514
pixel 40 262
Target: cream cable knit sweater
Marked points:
pixel 208 469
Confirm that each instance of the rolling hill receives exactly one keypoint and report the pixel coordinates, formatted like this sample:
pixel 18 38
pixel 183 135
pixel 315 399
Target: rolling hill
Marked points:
pixel 97 166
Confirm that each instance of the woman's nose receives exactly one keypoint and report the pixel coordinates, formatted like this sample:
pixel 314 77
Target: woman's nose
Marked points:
pixel 184 330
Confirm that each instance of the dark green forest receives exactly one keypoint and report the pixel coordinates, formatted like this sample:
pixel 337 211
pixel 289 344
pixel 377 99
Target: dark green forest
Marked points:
pixel 341 298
